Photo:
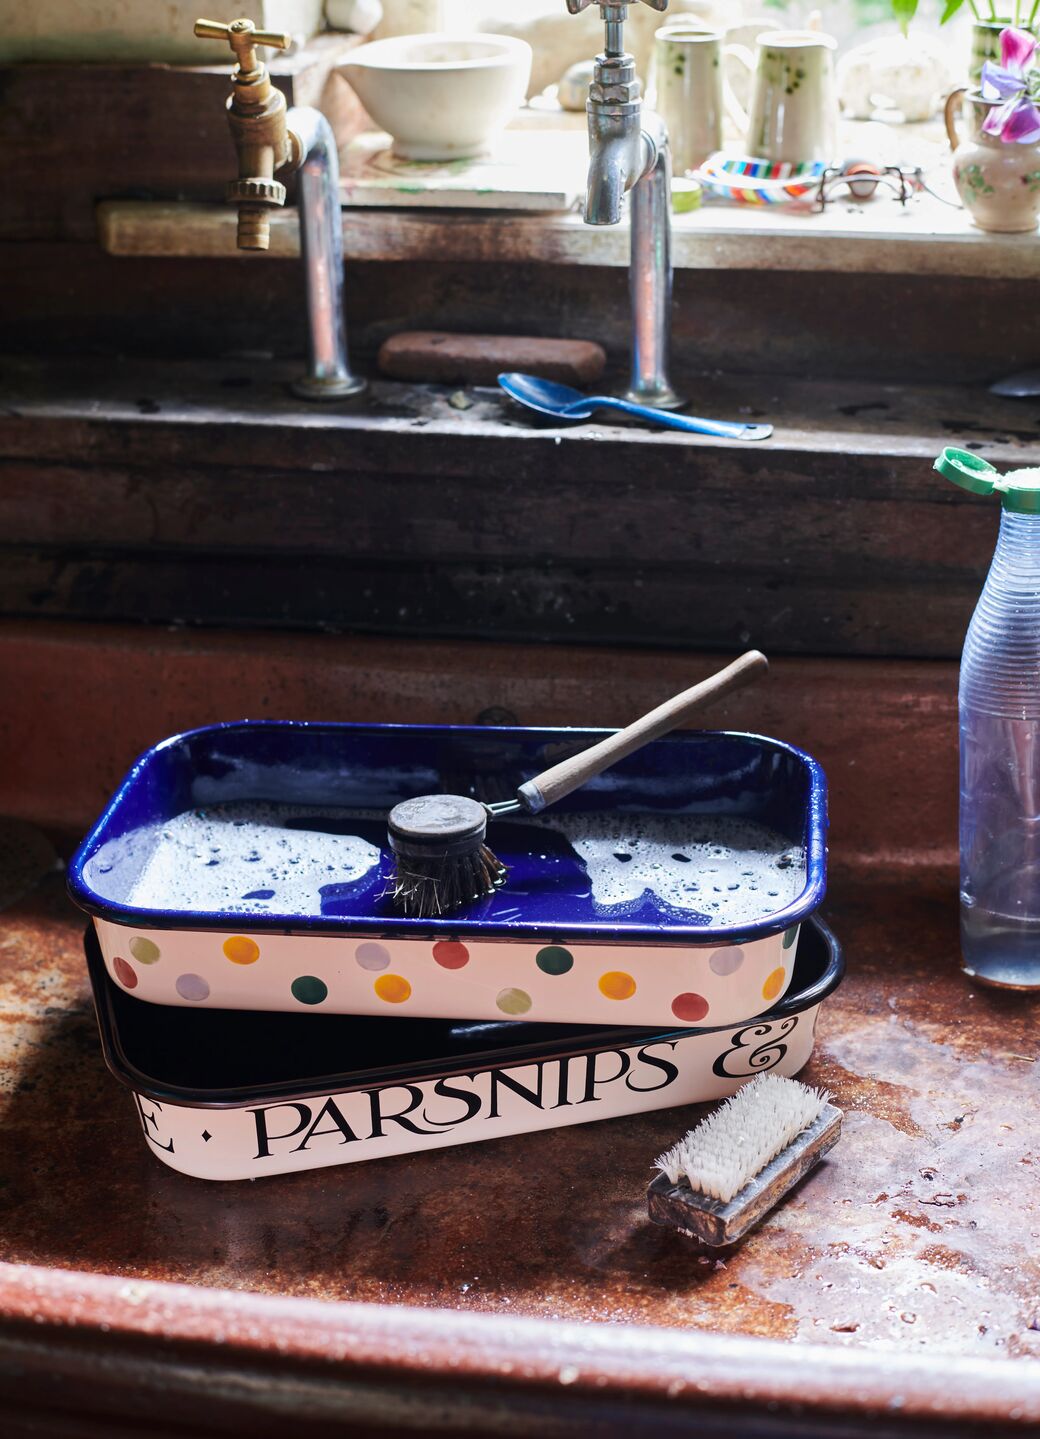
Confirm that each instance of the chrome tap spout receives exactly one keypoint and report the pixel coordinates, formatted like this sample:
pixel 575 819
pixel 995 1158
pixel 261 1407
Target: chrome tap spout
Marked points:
pixel 628 152
pixel 650 272
pixel 321 246
pixel 618 157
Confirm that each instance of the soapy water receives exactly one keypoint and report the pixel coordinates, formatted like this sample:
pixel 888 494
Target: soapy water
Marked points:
pixel 250 858
pixel 731 871
pixel 253 859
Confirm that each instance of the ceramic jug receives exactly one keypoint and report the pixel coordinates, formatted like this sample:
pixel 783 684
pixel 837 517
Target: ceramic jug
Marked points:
pixel 793 114
pixel 686 92
pixel 998 181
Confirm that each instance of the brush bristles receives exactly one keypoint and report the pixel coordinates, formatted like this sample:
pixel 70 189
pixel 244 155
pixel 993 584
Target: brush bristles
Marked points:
pixel 429 888
pixel 726 1150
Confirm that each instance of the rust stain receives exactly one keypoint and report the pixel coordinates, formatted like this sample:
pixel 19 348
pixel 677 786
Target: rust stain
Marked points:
pixel 917 1221
pixel 882 1098
pixel 917 1231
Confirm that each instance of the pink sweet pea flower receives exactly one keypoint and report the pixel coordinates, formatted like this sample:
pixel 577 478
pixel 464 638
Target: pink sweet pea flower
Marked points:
pixel 1015 118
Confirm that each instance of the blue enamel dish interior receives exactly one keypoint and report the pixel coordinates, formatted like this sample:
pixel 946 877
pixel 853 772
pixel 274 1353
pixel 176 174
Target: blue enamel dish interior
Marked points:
pixel 372 767
pixel 224 1059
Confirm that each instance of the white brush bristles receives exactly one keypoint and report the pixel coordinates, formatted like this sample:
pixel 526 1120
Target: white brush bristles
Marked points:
pixel 731 1146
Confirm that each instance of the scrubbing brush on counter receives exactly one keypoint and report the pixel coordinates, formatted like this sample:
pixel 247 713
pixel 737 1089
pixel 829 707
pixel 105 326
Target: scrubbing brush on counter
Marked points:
pixel 727 1173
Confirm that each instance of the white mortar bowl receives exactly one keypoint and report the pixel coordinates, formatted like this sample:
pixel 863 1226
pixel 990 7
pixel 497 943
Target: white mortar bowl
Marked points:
pixel 441 97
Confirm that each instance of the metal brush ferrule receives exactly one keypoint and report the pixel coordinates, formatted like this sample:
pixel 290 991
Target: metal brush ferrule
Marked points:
pixel 437 826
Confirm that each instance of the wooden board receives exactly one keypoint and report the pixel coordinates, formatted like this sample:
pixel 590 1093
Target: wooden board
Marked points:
pixel 209 495
pixel 77 300
pixel 928 238
pixel 528 169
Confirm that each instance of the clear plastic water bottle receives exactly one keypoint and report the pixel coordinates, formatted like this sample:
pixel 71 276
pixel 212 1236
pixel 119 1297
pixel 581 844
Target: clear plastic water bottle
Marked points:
pixel 1000 738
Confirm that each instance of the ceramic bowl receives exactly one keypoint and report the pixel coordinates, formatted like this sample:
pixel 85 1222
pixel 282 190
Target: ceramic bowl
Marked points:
pixel 441 97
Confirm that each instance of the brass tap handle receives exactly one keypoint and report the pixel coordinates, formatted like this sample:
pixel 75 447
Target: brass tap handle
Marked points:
pixel 243 37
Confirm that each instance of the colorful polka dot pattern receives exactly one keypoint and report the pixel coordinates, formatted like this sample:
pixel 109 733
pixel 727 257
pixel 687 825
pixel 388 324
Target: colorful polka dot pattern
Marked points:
pixel 193 987
pixel 553 960
pixel 372 956
pixel 309 989
pixel 690 1008
pixel 449 954
pixel 514 1001
pixel 726 961
pixel 774 983
pixel 240 949
pixel 393 988
pixel 124 972
pixel 616 984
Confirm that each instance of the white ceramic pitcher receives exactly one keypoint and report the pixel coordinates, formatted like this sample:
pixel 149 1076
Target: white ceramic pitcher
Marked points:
pixel 686 91
pixel 793 114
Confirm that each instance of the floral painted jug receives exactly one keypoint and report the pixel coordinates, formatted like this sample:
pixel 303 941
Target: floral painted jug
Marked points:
pixel 997 168
pixel 999 184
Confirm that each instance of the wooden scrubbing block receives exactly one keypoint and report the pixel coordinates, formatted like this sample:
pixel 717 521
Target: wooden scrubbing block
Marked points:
pixel 436 357
pixel 729 1172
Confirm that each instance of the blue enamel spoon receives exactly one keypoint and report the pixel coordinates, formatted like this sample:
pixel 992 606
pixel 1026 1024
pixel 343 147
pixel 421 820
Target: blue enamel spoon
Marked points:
pixel 564 403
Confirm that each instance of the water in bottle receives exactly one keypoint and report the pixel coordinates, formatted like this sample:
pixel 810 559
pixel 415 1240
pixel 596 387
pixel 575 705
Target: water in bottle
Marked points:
pixel 1000 738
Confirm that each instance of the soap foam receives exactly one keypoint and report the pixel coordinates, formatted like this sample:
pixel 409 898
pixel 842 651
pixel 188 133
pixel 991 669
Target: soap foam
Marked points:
pixel 252 858
pixel 245 858
pixel 733 871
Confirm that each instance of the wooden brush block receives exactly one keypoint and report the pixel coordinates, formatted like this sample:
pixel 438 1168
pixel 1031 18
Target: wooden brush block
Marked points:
pixel 714 1225
pixel 436 357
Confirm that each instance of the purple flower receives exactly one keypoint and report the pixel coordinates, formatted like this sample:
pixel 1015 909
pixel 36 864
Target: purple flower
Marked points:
pixel 1014 116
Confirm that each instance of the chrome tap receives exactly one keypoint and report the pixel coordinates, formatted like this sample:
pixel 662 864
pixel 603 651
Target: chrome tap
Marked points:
pixel 268 137
pixel 628 151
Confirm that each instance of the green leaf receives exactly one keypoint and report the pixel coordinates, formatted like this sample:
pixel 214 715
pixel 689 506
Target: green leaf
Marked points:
pixel 904 11
pixel 950 10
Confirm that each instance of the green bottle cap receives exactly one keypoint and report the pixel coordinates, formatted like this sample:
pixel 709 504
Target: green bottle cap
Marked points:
pixel 1019 491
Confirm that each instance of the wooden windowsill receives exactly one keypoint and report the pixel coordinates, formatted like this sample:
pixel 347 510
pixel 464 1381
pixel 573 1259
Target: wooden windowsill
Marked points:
pixel 876 238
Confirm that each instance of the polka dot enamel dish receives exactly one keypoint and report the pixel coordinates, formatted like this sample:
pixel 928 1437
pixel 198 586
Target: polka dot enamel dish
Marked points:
pixel 245 867
pixel 510 980
pixel 224 1095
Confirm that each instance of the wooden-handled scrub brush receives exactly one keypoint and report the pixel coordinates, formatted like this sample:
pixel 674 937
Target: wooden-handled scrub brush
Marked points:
pixel 725 1175
pixel 441 857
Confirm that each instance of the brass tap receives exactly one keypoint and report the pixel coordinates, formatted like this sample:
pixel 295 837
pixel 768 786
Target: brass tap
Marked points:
pixel 256 115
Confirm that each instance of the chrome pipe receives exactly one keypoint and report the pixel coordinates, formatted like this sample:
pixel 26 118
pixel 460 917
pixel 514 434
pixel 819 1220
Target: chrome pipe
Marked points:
pixel 614 38
pixel 628 152
pixel 650 271
pixel 321 247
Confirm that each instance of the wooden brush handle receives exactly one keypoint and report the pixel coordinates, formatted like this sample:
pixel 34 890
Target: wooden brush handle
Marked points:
pixel 570 774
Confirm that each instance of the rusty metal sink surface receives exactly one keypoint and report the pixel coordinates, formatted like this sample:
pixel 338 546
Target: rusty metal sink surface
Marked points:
pixel 922 1233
